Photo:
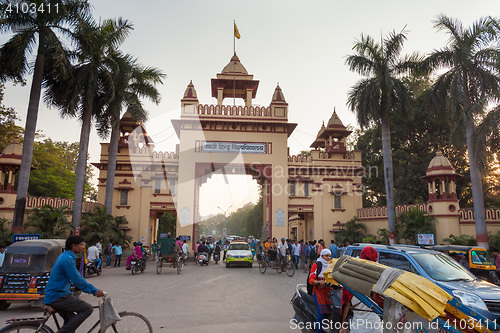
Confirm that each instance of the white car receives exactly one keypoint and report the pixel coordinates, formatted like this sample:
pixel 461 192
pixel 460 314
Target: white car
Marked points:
pixel 239 253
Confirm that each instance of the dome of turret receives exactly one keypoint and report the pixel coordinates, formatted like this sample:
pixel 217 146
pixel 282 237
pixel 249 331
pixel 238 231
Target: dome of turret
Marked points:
pixel 439 165
pixel 234 67
pixel 12 154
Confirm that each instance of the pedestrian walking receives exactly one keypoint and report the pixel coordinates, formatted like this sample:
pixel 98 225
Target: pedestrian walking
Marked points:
pixel 303 258
pixel 296 254
pixel 334 249
pixel 109 252
pixel 153 250
pixel 118 253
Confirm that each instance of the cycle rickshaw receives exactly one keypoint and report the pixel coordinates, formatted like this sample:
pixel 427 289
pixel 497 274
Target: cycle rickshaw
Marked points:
pixel 169 255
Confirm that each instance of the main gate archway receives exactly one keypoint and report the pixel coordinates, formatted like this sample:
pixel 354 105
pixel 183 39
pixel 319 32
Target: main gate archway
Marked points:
pixel 246 139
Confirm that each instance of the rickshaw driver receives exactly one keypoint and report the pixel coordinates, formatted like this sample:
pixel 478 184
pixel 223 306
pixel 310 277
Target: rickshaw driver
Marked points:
pixel 57 291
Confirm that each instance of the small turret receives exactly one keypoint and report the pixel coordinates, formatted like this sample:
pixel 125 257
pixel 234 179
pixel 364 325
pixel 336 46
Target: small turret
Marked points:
pixel 279 106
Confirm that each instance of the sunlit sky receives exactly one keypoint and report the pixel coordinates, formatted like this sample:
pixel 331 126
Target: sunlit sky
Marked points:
pixel 300 44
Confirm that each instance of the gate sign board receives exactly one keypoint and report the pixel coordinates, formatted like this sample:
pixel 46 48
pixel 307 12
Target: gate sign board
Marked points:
pixel 23 237
pixel 163 236
pixel 233 147
pixel 425 239
pixel 185 238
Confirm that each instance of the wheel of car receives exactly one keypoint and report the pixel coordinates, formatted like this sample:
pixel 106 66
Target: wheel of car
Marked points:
pixel 159 265
pixel 227 265
pixel 262 266
pixel 250 265
pixel 4 305
pixel 290 269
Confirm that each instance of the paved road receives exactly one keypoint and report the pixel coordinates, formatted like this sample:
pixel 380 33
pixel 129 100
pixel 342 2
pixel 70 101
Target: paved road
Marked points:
pixel 201 299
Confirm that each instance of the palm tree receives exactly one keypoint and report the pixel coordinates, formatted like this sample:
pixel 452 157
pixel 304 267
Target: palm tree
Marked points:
pixel 49 222
pixel 89 89
pixel 379 94
pixel 414 222
pixel 5 233
pixel 41 31
pixel 131 83
pixel 352 231
pixel 470 82
pixel 98 224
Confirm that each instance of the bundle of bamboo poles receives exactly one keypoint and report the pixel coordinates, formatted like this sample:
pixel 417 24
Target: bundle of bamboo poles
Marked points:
pixel 414 291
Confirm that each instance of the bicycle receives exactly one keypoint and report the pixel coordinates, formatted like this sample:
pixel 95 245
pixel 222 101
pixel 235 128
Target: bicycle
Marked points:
pixel 130 322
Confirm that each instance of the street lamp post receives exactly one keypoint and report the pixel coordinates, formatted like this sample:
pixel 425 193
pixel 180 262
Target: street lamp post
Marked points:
pixel 225 212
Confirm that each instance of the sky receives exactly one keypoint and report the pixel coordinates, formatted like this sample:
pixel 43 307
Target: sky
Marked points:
pixel 302 45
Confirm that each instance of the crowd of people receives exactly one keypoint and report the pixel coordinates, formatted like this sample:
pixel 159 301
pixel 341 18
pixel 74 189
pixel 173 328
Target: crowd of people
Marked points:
pixel 303 254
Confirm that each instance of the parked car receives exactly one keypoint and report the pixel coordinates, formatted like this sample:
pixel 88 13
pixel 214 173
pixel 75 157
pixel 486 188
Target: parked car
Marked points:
pixel 441 269
pixel 26 269
pixel 239 253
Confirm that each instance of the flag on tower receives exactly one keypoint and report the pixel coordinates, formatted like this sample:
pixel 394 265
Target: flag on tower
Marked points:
pixel 236 32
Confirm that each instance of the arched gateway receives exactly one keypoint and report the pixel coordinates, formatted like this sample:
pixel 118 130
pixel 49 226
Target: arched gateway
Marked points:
pixel 305 197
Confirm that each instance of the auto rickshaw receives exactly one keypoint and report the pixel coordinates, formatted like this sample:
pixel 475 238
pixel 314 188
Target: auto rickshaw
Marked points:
pixel 26 269
pixel 475 259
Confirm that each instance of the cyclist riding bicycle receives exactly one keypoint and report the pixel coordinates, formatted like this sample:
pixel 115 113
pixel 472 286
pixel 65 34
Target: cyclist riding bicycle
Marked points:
pixel 58 295
pixel 282 249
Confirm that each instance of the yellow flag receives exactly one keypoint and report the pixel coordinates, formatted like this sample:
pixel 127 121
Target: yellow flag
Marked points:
pixel 236 32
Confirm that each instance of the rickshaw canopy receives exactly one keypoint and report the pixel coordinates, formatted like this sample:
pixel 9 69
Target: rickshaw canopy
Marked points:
pixel 32 256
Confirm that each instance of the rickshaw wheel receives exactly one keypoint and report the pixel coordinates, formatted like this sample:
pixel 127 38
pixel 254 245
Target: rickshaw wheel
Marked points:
pixel 4 305
pixel 262 266
pixel 159 265
pixel 180 265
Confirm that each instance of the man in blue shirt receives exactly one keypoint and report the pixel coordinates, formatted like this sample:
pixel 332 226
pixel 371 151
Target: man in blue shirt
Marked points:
pixel 57 292
pixel 334 249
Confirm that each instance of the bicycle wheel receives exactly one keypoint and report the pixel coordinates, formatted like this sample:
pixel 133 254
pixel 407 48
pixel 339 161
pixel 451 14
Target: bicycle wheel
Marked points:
pixel 130 322
pixel 159 265
pixel 25 328
pixel 262 266
pixel 290 268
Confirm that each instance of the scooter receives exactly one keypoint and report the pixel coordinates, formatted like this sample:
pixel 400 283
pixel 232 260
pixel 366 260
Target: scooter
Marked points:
pixel 216 257
pixel 92 269
pixel 203 258
pixel 306 310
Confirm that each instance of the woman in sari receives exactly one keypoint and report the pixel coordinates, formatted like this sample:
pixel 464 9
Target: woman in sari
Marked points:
pixel 137 254
pixel 321 291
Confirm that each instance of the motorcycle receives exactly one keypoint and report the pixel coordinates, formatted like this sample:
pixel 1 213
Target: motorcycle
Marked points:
pixel 92 269
pixel 137 265
pixel 216 257
pixel 203 259
pixel 306 310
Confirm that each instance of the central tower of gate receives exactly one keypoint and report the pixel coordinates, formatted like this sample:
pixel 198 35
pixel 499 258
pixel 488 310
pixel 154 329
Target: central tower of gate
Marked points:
pixel 233 139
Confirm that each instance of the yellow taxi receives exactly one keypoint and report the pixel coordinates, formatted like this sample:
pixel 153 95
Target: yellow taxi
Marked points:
pixel 239 253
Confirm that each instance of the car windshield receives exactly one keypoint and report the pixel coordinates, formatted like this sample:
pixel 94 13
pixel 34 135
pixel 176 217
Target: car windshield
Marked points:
pixel 481 258
pixel 238 247
pixel 441 267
